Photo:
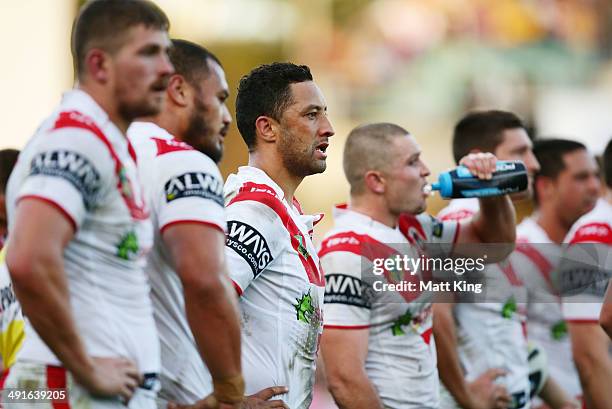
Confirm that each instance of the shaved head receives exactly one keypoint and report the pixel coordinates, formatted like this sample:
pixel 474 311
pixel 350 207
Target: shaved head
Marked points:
pixel 369 147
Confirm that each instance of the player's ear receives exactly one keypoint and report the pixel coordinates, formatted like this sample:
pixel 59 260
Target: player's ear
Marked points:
pixel 374 181
pixel 543 187
pixel 97 65
pixel 178 90
pixel 267 128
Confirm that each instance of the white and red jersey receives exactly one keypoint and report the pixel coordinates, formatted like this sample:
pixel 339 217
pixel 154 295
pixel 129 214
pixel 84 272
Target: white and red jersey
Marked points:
pixel 79 162
pixel 182 185
pixel 401 360
pixel 491 334
pixel 536 258
pixel 275 268
pixel 11 318
pixel 594 227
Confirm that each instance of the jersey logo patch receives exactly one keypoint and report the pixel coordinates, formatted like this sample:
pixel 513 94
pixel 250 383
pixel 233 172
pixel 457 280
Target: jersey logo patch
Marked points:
pixel 304 308
pixel 194 184
pixel 72 167
pixel 344 289
pixel 249 244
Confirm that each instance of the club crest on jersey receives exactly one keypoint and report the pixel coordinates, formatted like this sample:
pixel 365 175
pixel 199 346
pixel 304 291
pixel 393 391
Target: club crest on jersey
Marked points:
pixel 304 308
pixel 194 184
pixel 128 246
pixel 70 166
pixel 249 244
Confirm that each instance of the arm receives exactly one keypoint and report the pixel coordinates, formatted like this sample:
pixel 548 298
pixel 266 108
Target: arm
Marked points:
pixel 35 260
pixel 605 319
pixel 495 222
pixel 590 347
pixel 555 396
pixel 482 393
pixel 197 251
pixel 344 352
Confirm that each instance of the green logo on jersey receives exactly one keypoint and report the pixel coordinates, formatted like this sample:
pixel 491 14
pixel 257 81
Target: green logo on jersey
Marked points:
pixel 509 308
pixel 128 244
pixel 301 248
pixel 124 183
pixel 559 330
pixel 403 320
pixel 304 308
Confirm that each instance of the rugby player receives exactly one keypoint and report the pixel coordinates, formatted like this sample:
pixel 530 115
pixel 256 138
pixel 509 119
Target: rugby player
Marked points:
pixel 78 223
pixel 605 318
pixel 378 347
pixel 491 333
pixel 11 318
pixel 592 233
pixel 566 187
pixel 194 301
pixel 282 117
pixel 8 158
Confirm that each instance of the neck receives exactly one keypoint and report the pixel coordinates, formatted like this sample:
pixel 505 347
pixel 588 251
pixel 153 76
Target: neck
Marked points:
pixel 107 104
pixel 553 225
pixel 374 209
pixel 168 121
pixel 277 172
pixel 608 195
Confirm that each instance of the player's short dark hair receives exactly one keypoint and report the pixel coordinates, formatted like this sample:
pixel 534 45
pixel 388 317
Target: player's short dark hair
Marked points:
pixel 549 153
pixel 265 91
pixel 482 130
pixel 8 158
pixel 191 60
pixel 104 23
pixel 607 164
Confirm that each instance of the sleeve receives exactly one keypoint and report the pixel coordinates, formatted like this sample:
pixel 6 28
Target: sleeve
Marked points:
pixel 348 299
pixel 578 312
pixel 584 271
pixel 255 237
pixel 71 169
pixel 189 190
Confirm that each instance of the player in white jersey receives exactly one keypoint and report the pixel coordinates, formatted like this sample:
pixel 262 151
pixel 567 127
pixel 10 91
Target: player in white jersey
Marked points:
pixel 78 224
pixel 282 116
pixel 605 318
pixel 486 336
pixel 193 298
pixel 11 318
pixel 590 240
pixel 377 346
pixel 566 187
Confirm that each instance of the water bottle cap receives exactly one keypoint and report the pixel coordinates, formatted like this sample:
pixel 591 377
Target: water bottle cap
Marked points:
pixel 436 186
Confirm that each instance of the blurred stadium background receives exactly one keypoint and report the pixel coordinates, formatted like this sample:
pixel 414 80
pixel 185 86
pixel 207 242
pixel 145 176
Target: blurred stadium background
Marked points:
pixel 420 63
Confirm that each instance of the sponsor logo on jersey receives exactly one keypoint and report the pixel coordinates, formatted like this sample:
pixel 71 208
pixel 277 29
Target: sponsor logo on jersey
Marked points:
pixel 344 289
pixel 72 167
pixel 301 248
pixel 438 227
pixel 194 184
pixel 249 244
pixel 7 297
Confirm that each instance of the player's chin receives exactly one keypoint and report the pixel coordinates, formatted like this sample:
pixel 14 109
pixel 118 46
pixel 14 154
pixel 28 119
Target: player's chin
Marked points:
pixel 318 166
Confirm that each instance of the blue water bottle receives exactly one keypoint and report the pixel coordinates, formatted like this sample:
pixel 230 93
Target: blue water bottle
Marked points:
pixel 509 177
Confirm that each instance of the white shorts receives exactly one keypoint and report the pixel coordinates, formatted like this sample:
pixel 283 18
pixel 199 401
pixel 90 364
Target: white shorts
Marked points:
pixel 29 376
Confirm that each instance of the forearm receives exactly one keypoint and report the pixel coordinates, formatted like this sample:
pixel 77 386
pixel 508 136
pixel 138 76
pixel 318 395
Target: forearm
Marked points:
pixel 554 395
pixel 355 391
pixel 449 365
pixel 42 291
pixel 212 313
pixel 496 221
pixel 595 382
